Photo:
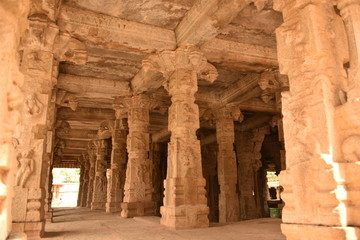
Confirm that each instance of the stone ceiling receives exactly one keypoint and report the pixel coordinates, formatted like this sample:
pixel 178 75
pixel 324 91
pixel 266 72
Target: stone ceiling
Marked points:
pixel 237 37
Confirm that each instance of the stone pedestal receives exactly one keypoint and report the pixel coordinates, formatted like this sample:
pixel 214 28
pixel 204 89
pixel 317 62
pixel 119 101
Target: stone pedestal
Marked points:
pixel 138 188
pixel 185 204
pixel 118 167
pixel 100 181
pixel 226 165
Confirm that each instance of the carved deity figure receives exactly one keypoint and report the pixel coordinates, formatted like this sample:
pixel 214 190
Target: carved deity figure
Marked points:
pixel 26 167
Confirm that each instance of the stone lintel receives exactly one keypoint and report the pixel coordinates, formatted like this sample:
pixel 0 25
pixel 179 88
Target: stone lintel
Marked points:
pixel 93 87
pixel 112 32
pixel 85 114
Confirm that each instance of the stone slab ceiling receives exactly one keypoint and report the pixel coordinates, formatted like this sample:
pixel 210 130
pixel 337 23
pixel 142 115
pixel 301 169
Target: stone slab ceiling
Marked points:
pixel 236 36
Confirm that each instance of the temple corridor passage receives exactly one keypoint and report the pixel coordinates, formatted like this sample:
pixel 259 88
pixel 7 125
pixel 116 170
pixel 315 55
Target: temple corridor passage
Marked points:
pixel 82 223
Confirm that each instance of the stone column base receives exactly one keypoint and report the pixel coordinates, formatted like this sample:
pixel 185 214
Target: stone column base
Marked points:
pixel 49 217
pixel 136 209
pixel 33 230
pixel 185 216
pixel 98 205
pixel 112 207
pixel 315 232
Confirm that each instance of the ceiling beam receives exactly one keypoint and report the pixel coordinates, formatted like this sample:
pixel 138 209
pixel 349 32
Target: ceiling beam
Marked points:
pixel 239 88
pixel 204 20
pixel 241 56
pixel 79 134
pixel 93 87
pixel 113 32
pixel 85 114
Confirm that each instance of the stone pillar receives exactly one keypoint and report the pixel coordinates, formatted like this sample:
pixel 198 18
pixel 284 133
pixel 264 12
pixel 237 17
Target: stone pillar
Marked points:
pixel 156 175
pixel 13 19
pixel 226 164
pixel 92 161
pixel 185 204
pixel 34 144
pixel 248 147
pixel 312 51
pixel 348 126
pixel 138 188
pixel 81 181
pixel 100 181
pixel 85 180
pixel 115 191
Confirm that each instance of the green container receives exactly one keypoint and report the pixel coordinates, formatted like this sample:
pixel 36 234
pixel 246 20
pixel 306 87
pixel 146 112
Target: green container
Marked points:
pixel 274 212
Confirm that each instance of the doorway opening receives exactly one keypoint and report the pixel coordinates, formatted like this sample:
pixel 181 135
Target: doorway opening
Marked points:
pixel 65 187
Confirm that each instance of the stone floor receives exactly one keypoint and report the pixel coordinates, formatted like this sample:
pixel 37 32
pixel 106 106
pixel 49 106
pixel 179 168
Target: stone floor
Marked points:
pixel 83 224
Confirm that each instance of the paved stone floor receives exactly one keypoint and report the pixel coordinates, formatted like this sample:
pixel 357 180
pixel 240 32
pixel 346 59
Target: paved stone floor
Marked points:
pixel 83 224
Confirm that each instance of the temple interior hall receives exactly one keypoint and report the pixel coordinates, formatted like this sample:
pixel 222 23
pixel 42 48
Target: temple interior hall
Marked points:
pixel 180 119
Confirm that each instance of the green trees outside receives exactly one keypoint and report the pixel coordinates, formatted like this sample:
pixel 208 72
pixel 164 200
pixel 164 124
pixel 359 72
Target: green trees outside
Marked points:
pixel 66 175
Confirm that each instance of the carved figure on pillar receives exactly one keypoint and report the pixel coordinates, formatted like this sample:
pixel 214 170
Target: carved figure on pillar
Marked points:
pixel 185 204
pixel 26 167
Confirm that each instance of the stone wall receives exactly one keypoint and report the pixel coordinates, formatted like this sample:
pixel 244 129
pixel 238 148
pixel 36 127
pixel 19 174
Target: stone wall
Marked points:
pixel 13 21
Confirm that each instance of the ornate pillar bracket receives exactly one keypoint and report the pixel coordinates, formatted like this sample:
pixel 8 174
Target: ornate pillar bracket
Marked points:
pixel 185 204
pixel 100 181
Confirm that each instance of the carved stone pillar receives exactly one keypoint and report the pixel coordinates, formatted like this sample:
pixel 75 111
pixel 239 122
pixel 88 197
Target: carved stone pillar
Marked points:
pixel 155 160
pixel 138 188
pixel 248 146
pixel 13 19
pixel 312 51
pixel 348 127
pixel 226 164
pixel 185 203
pixel 350 11
pixel 34 142
pixel 92 161
pixel 85 180
pixel 100 181
pixel 81 180
pixel 116 182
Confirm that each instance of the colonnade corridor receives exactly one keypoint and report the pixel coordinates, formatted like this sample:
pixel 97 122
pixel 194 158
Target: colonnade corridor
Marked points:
pixel 82 223
pixel 204 115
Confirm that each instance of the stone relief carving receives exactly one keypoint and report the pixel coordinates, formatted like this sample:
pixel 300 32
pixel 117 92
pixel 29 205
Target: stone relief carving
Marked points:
pixel 27 163
pixel 350 149
pixel 105 130
pixel 33 105
pixel 66 99
pixel 68 49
